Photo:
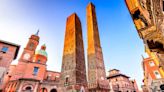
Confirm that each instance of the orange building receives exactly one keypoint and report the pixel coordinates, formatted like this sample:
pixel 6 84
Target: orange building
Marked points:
pixel 151 69
pixel 8 53
pixel 31 73
pixel 152 75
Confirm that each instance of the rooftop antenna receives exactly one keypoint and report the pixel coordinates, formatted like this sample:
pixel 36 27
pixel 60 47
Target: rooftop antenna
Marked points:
pixel 142 57
pixel 37 33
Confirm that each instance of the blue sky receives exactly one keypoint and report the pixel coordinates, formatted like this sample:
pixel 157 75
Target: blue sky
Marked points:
pixel 121 45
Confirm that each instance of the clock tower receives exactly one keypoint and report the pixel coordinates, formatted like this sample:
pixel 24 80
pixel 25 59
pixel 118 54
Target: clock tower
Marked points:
pixel 30 48
pixel 26 57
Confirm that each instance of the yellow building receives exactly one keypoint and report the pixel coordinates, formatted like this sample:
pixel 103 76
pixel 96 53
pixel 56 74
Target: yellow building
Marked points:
pixel 157 61
pixel 148 18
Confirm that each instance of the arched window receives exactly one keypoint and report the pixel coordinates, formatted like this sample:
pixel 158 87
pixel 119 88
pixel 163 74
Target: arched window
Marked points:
pixel 82 89
pixel 28 89
pixel 66 81
pixel 162 87
pixel 53 90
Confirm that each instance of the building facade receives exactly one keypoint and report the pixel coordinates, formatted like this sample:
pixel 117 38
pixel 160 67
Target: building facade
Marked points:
pixel 96 70
pixel 120 82
pixel 8 53
pixel 148 18
pixel 153 77
pixel 31 74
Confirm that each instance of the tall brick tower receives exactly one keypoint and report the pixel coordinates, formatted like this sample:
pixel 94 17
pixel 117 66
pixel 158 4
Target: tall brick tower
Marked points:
pixel 96 70
pixel 73 73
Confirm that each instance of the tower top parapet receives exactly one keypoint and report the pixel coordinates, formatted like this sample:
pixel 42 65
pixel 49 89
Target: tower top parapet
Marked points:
pixel 91 4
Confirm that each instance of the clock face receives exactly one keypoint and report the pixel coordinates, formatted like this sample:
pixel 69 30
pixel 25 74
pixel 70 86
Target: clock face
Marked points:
pixel 26 56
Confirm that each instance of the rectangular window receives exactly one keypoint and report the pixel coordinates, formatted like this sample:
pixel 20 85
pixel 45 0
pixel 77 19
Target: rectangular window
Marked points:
pixel 151 63
pixel 0 80
pixel 163 5
pixel 1 57
pixel 66 82
pixel 4 49
pixel 35 71
pixel 38 61
pixel 49 77
pixel 157 74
